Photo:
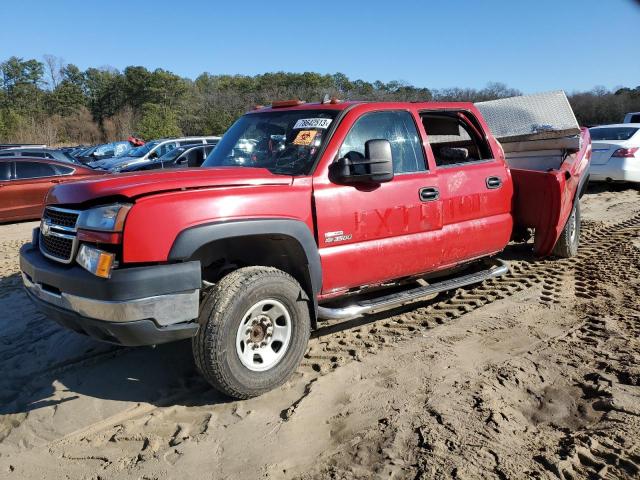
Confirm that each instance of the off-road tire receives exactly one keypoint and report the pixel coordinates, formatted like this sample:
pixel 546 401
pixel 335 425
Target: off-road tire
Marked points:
pixel 567 244
pixel 214 347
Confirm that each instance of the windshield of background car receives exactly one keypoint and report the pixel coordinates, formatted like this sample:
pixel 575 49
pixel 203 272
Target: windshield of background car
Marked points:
pixel 612 133
pixel 141 151
pixel 284 142
pixel 172 154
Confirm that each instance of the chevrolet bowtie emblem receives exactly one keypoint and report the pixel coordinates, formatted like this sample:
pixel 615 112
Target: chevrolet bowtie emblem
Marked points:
pixel 44 227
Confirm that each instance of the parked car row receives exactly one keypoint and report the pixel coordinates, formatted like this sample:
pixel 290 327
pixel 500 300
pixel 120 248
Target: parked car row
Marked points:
pixel 48 153
pixel 27 173
pixel 150 152
pixel 184 156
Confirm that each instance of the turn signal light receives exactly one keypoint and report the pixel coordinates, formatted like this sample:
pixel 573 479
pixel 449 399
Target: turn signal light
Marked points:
pixel 98 262
pixel 625 152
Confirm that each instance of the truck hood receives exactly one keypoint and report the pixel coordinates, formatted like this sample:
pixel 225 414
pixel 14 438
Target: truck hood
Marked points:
pixel 137 184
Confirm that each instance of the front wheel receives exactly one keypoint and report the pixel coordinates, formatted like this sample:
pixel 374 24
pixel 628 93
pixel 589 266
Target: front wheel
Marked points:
pixel 567 244
pixel 254 329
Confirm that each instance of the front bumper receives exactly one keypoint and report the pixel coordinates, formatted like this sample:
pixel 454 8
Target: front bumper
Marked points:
pixel 616 169
pixel 136 306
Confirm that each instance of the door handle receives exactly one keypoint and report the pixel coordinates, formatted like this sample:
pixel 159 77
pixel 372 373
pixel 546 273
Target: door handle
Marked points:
pixel 56 181
pixel 493 182
pixel 429 194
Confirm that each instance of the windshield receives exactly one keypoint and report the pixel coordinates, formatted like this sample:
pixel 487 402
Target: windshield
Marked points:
pixel 141 151
pixel 172 154
pixel 284 142
pixel 612 133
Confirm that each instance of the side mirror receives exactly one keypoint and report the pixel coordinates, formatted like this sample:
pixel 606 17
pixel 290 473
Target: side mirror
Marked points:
pixel 376 166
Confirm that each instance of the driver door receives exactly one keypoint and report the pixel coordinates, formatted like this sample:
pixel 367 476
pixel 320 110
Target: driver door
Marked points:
pixel 371 234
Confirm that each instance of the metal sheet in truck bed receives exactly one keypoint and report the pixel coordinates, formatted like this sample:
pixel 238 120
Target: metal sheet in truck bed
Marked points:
pixel 530 117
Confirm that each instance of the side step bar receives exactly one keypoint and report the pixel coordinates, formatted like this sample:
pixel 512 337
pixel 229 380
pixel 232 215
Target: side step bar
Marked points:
pixel 393 300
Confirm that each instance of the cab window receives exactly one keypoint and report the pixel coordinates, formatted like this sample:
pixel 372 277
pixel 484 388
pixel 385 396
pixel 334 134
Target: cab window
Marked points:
pixel 398 128
pixel 455 138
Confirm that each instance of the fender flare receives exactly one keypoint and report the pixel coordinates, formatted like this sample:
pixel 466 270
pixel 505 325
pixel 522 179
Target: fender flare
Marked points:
pixel 193 238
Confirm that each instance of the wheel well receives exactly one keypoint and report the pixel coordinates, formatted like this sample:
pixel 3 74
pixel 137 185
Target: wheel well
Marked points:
pixel 222 256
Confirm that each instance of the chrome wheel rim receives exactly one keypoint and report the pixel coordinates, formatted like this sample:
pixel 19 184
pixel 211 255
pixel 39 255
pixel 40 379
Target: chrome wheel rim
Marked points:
pixel 263 335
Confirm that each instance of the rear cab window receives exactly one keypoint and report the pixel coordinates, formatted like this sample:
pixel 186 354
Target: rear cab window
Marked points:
pixel 455 138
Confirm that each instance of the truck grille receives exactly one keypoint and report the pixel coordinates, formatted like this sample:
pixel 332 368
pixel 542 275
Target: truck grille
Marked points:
pixel 59 248
pixel 63 218
pixel 58 240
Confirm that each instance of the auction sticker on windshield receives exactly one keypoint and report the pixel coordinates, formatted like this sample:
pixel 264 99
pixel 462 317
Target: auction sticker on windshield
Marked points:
pixel 313 123
pixel 305 137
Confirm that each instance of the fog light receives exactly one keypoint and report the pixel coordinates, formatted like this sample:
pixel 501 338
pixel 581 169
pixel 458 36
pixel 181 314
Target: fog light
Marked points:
pixel 96 261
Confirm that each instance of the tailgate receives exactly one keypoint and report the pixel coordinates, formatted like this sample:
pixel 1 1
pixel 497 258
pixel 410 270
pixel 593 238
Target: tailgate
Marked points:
pixel 544 200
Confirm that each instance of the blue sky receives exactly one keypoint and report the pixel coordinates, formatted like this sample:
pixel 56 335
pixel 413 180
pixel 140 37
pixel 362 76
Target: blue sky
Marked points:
pixel 534 46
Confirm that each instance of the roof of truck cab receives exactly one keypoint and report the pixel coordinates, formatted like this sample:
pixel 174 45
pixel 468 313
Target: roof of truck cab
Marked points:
pixel 343 105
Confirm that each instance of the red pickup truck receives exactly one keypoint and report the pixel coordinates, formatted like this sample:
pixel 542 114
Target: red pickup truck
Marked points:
pixel 302 212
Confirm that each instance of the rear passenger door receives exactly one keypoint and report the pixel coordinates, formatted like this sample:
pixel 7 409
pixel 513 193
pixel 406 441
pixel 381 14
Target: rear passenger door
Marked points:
pixel 374 233
pixel 475 187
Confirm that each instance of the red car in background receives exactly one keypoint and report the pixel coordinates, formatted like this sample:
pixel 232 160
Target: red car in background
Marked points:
pixel 24 183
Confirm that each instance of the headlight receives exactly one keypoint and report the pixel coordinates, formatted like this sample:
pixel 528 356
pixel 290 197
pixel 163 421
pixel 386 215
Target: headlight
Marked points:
pixel 109 218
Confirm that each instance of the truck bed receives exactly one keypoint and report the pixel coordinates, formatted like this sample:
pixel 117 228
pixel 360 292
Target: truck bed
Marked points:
pixel 546 182
pixel 548 155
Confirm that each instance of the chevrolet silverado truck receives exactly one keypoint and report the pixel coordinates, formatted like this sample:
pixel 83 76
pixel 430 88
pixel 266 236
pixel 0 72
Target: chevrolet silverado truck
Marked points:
pixel 303 212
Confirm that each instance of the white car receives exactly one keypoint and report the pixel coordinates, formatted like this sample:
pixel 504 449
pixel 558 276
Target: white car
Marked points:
pixel 616 153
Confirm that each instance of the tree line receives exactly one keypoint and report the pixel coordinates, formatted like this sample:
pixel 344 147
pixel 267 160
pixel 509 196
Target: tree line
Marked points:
pixel 54 102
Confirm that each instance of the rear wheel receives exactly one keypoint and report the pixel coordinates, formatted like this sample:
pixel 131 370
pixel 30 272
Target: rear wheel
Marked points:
pixel 254 329
pixel 567 244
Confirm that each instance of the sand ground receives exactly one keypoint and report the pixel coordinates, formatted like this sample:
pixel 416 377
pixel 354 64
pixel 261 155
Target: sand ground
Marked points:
pixel 533 375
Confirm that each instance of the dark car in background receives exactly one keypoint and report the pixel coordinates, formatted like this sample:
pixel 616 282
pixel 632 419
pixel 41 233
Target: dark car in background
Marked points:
pixel 180 157
pixel 151 150
pixel 24 183
pixel 104 151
